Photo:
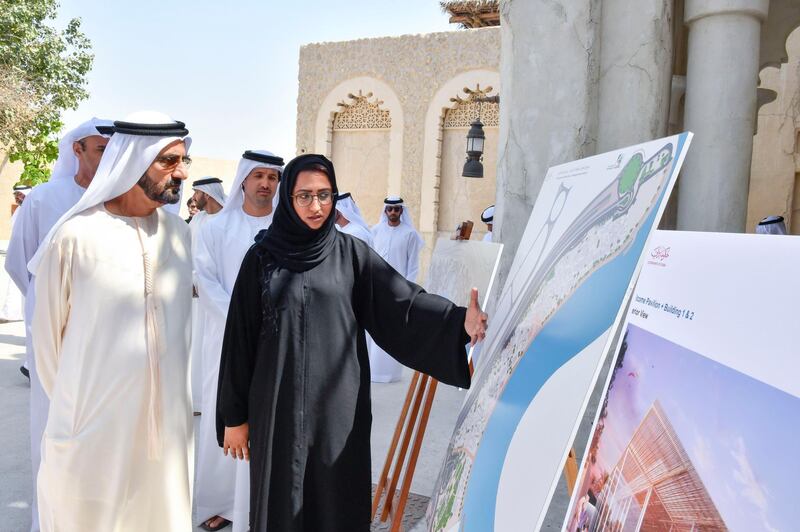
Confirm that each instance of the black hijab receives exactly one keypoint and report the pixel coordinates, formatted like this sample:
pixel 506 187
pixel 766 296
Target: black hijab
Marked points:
pixel 291 243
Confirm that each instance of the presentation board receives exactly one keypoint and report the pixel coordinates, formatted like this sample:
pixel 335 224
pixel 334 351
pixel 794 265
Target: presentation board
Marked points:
pixel 548 333
pixel 700 417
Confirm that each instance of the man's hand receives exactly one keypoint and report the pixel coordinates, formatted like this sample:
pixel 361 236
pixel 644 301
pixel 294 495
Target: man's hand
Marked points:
pixel 475 322
pixel 237 441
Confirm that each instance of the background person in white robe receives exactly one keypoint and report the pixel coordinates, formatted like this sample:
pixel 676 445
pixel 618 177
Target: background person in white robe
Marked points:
pixel 223 485
pixel 191 206
pixel 399 244
pixel 13 300
pixel 209 197
pixel 79 153
pixel 487 217
pixel 771 225
pixel 111 341
pixel 349 219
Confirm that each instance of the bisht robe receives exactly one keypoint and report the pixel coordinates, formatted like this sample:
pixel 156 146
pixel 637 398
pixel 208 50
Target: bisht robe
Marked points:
pixel 91 347
pixel 222 484
pixel 299 375
pixel 400 247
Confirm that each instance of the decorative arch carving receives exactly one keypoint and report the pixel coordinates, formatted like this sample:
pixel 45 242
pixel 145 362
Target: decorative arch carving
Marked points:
pixel 389 103
pixel 361 113
pixel 466 110
pixel 457 96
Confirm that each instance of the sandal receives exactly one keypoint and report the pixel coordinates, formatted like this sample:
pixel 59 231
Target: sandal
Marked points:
pixel 222 524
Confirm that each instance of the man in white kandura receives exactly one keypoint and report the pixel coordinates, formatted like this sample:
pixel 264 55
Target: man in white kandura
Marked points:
pixel 209 197
pixel 487 217
pixel 399 244
pixel 14 302
pixel 349 219
pixel 79 153
pixel 223 485
pixel 111 341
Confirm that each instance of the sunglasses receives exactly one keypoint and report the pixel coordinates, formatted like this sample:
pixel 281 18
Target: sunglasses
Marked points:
pixel 394 209
pixel 168 162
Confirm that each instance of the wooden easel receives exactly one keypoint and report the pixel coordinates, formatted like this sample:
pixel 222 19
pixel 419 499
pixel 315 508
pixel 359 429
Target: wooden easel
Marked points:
pixel 412 423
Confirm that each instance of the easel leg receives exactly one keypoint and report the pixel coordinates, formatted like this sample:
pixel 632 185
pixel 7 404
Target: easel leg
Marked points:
pixel 401 457
pixel 412 460
pixel 393 447
pixel 571 471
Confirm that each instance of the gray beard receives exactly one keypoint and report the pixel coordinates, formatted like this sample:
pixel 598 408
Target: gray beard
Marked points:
pixel 159 194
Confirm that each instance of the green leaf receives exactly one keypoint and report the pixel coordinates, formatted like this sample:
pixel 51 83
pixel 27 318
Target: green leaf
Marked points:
pixel 42 73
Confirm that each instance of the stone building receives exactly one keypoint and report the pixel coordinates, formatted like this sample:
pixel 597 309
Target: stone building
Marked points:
pixel 775 176
pixel 9 174
pixel 576 78
pixel 393 114
pixel 581 77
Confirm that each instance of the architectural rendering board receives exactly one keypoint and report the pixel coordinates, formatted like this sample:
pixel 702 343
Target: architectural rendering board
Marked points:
pixel 548 333
pixel 704 395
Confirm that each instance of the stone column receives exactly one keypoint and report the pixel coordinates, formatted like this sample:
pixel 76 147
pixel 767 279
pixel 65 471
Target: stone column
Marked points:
pixel 548 74
pixel 635 72
pixel 721 80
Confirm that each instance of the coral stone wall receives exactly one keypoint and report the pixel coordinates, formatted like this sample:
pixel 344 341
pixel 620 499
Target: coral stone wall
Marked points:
pixel 414 66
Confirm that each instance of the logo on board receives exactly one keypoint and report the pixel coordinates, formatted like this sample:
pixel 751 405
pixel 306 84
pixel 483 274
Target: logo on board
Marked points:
pixel 658 256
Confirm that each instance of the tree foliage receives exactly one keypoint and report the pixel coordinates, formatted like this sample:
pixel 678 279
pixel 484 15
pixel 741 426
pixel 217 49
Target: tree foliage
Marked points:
pixel 42 73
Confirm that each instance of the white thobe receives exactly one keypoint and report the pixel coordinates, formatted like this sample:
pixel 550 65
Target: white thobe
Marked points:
pixel 91 347
pixel 223 485
pixel 400 247
pixel 41 209
pixel 196 350
pixel 13 300
pixel 357 231
pixel 487 237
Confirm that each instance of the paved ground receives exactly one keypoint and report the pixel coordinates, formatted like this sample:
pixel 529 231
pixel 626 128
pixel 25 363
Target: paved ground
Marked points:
pixel 387 400
pixel 15 469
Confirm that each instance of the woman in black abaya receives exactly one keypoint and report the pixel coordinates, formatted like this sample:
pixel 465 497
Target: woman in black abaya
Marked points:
pixel 294 384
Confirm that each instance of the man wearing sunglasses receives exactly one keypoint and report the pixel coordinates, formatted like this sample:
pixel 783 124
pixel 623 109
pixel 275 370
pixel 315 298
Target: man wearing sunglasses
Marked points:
pixel 113 281
pixel 399 244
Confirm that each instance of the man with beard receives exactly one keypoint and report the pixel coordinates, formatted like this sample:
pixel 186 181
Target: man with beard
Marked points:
pixel 223 489
pixel 111 340
pixel 399 244
pixel 79 154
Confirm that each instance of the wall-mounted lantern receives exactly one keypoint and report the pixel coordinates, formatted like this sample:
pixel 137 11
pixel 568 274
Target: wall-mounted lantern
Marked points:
pixel 475 140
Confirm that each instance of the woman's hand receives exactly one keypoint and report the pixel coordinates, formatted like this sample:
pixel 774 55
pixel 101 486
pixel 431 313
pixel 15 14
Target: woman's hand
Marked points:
pixel 237 441
pixel 475 322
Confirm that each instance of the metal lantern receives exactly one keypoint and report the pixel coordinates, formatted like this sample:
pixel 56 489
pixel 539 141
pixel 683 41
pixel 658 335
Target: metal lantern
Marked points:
pixel 475 139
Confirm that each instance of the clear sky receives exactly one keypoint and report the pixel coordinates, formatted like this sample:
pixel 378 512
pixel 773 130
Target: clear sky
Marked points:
pixel 227 69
